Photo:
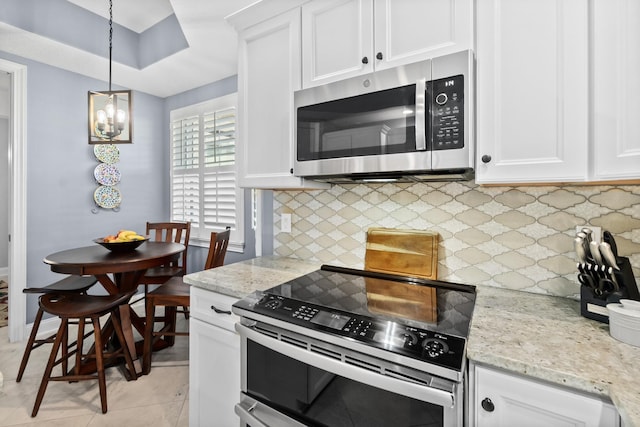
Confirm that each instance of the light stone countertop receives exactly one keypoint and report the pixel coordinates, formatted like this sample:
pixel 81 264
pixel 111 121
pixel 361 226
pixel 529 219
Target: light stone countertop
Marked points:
pixel 536 335
pixel 258 274
pixel 545 337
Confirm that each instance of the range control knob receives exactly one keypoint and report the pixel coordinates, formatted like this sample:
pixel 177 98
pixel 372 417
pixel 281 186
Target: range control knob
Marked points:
pixel 273 304
pixel 410 338
pixel 434 347
pixel 441 98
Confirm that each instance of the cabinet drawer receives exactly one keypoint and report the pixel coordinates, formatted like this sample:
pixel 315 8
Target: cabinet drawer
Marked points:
pixel 213 308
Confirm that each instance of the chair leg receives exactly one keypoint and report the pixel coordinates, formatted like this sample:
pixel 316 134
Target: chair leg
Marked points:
pixel 148 335
pixel 102 384
pixel 49 368
pixel 170 316
pixel 79 345
pixel 30 343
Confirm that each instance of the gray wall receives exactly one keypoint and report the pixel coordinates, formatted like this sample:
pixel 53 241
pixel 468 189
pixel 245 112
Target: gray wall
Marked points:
pixel 60 166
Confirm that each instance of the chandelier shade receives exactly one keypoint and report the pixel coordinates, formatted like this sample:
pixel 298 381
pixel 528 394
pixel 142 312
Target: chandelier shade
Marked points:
pixel 110 117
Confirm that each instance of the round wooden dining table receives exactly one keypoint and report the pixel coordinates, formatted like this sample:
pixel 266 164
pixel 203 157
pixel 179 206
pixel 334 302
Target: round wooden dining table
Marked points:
pixel 117 272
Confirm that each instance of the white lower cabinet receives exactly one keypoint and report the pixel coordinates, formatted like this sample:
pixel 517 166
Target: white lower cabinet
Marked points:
pixel 214 360
pixel 501 399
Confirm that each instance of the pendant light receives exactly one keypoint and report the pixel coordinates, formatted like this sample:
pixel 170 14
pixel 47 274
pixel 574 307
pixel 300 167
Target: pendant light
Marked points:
pixel 110 120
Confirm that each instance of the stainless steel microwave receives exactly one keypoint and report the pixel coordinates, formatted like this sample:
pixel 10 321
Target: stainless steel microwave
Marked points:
pixel 410 123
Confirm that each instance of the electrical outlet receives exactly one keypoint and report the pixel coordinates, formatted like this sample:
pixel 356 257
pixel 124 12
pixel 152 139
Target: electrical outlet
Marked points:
pixel 596 232
pixel 285 223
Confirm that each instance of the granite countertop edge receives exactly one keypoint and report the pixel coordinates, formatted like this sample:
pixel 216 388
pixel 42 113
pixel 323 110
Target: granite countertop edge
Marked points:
pixel 540 336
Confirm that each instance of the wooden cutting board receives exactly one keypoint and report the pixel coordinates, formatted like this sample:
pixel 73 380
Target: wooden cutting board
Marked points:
pixel 403 252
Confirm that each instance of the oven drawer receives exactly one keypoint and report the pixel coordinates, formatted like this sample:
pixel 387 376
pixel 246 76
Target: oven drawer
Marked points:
pixel 214 308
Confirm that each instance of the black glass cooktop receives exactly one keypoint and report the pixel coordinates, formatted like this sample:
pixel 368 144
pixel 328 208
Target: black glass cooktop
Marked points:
pixel 421 319
pixel 428 304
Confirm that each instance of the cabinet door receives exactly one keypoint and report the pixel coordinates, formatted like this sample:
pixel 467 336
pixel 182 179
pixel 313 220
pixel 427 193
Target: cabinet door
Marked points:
pixel 532 91
pixel 214 375
pixel 511 400
pixel 412 30
pixel 268 74
pixel 616 89
pixel 337 40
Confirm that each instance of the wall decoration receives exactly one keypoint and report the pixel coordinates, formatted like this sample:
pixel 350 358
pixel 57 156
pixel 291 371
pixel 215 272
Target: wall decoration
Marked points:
pixel 107 175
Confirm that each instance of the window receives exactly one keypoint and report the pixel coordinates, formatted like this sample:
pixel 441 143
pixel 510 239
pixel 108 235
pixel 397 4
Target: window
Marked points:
pixel 203 170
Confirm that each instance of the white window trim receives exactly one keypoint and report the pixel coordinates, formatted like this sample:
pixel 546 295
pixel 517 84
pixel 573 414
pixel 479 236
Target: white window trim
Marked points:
pixel 236 242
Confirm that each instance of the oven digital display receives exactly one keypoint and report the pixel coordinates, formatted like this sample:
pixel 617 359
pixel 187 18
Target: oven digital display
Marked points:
pixel 331 320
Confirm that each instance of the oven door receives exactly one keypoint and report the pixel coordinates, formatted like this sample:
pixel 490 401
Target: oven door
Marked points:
pixel 290 379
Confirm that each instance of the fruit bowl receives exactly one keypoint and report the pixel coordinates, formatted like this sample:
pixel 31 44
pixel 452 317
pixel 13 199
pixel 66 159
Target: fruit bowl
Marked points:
pixel 120 246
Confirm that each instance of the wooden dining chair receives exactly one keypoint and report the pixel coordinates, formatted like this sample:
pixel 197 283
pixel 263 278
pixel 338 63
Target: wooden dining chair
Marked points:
pixel 177 232
pixel 173 294
pixel 79 308
pixel 69 285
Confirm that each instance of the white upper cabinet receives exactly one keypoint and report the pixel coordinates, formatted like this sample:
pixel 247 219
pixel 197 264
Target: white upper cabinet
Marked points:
pixel 532 91
pixel 616 89
pixel 268 73
pixel 345 38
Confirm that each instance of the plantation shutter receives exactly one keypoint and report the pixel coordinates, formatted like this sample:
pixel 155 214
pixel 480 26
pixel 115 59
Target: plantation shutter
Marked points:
pixel 203 170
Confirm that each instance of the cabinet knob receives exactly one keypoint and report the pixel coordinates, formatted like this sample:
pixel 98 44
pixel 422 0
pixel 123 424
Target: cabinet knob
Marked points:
pixel 488 405
pixel 291 171
pixel 379 55
pixel 365 60
pixel 486 158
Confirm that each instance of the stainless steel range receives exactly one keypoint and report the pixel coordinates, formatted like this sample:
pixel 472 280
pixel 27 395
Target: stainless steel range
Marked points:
pixel 345 347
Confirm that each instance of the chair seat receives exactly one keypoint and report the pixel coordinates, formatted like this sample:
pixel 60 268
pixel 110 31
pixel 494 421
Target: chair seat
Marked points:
pixel 164 271
pixel 76 284
pixel 172 291
pixel 81 306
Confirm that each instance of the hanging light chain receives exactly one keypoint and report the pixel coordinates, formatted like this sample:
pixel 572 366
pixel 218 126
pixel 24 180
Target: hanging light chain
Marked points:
pixel 110 38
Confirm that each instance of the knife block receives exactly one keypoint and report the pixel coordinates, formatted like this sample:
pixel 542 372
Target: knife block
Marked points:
pixel 595 308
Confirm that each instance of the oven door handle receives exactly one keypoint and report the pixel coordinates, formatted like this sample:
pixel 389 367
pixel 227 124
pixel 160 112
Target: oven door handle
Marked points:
pixel 410 389
pixel 256 414
pixel 420 115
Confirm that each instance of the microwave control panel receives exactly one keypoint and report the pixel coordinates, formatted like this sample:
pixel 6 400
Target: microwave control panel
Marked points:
pixel 447 112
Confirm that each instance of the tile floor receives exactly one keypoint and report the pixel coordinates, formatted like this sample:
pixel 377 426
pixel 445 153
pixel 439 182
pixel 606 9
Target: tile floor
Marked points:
pixel 158 399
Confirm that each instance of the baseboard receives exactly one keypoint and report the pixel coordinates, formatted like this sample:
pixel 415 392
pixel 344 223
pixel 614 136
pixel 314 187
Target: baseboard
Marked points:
pixel 4 271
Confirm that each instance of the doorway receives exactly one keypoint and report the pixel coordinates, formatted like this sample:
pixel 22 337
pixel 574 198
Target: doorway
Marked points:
pixel 17 200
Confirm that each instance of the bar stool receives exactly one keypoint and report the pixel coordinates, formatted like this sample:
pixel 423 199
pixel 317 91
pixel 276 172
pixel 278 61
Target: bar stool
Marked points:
pixel 71 285
pixel 80 308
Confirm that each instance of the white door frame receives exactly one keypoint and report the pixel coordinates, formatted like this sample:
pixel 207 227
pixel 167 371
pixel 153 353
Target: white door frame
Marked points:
pixel 17 199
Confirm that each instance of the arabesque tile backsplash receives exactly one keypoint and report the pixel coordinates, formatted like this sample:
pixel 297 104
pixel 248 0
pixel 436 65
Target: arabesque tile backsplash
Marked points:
pixel 511 237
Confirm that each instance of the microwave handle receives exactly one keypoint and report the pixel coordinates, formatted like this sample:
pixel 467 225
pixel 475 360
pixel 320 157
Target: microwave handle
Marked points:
pixel 421 94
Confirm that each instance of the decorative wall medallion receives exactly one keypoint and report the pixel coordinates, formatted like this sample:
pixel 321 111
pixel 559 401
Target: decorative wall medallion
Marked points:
pixel 107 153
pixel 107 174
pixel 107 197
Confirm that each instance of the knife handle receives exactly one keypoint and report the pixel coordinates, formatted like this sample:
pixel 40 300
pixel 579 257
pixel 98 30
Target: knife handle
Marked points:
pixel 608 256
pixel 608 237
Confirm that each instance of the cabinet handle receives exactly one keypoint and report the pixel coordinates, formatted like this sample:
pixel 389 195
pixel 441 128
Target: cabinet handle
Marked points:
pixel 486 158
pixel 488 405
pixel 217 310
pixel 379 55
pixel 365 60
